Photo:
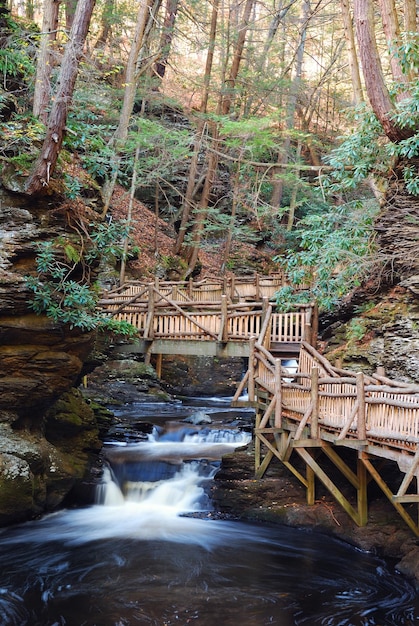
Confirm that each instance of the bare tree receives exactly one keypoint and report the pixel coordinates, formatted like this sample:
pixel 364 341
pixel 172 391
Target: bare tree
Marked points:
pixel 39 179
pixel 42 93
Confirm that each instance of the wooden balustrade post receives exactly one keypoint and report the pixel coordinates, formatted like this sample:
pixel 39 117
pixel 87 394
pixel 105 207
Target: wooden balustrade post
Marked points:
pixel 360 392
pixel 149 327
pixel 251 379
pixel 315 402
pixel 157 283
pixel 174 292
pixel 265 307
pixel 225 286
pixel 314 325
pixel 257 286
pixel 307 327
pixel 224 319
pixel 232 288
pixel 381 371
pixel 190 288
pixel 278 394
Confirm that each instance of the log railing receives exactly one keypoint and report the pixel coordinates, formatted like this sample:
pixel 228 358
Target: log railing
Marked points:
pixel 320 407
pixel 157 316
pixel 253 288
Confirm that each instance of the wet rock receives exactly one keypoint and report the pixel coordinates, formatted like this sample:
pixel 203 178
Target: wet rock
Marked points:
pixel 202 376
pixel 199 417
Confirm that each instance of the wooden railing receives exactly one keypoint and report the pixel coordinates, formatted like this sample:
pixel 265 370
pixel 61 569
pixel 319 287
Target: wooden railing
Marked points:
pixel 253 288
pixel 157 316
pixel 352 405
pixel 320 406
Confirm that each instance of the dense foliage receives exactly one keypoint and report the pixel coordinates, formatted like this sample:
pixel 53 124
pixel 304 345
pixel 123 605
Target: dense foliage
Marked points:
pixel 231 129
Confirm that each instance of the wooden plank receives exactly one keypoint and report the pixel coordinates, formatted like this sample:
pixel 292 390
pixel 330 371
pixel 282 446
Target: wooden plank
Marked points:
pixel 388 493
pixel 329 484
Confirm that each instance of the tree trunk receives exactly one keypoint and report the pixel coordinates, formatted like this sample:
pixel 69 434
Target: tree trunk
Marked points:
pixel 70 11
pixel 237 57
pixel 166 37
pixel 352 56
pixel 277 190
pixel 392 32
pixel 39 178
pixel 188 204
pixel 41 98
pixel 377 91
pixel 121 132
pixel 105 24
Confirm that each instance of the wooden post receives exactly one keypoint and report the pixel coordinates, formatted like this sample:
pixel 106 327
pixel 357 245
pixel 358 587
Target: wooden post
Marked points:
pixel 257 440
pixel 265 307
pixel 360 392
pixel 251 379
pixel 314 325
pixel 225 286
pixel 315 402
pixel 257 286
pixel 362 495
pixel 311 485
pixel 159 362
pixel 381 370
pixel 307 327
pixel 224 319
pixel 278 394
pixel 232 288
pixel 190 288
pixel 149 327
pixel 174 292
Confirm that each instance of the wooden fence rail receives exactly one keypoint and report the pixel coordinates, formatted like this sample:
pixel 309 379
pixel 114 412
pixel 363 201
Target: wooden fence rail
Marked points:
pixel 157 316
pixel 322 408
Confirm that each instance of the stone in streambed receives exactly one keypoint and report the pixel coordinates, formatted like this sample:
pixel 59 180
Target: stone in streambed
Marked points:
pixel 199 417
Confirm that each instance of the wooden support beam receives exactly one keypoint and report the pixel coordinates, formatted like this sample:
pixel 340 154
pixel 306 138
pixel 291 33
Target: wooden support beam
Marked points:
pixel 388 493
pixel 329 484
pixel 409 475
pixel 159 362
pixel 341 465
pixel 362 493
pixel 278 394
pixel 314 394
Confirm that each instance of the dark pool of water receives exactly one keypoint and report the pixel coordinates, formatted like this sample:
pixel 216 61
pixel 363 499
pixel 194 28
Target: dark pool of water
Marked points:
pixel 150 554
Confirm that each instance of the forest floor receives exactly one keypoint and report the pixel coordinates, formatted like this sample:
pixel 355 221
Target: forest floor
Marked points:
pixel 155 239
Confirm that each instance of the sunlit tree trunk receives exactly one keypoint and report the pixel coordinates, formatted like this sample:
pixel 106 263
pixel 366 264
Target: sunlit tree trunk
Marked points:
pixel 351 49
pixel 121 132
pixel 188 202
pixel 39 178
pixel 410 17
pixel 377 91
pixel 42 95
pixel 278 186
pixel 392 32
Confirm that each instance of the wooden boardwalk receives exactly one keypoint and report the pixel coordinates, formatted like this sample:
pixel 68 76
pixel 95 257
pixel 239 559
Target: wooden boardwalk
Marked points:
pixel 209 318
pixel 341 428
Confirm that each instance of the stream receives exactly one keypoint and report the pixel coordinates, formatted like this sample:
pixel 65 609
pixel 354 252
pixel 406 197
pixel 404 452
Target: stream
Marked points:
pixel 151 551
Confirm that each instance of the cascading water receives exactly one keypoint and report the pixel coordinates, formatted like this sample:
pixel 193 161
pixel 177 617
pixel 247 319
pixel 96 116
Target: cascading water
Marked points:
pixel 149 553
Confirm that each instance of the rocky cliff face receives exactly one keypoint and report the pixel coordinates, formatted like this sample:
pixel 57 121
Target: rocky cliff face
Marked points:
pixel 43 450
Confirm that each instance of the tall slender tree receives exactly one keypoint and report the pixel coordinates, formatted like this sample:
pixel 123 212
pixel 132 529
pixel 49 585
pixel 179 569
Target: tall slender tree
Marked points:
pixel 42 93
pixel 39 178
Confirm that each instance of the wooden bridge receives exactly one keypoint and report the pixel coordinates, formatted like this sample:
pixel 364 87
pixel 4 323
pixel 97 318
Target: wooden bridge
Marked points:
pixel 342 428
pixel 211 318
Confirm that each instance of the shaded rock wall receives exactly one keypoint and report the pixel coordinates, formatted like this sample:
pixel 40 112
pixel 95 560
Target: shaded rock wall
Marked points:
pixel 43 450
